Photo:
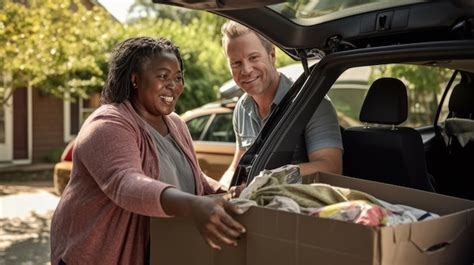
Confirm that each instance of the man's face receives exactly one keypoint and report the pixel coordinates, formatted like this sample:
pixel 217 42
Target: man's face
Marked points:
pixel 252 66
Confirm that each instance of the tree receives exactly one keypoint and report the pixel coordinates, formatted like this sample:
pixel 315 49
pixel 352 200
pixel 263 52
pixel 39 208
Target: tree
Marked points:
pixel 146 9
pixel 63 49
pixel 55 46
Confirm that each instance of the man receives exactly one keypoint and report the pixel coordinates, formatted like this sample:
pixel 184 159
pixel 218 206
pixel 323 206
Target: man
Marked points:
pixel 251 60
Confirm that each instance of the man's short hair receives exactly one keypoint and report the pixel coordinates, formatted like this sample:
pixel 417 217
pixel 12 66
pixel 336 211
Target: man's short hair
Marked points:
pixel 232 30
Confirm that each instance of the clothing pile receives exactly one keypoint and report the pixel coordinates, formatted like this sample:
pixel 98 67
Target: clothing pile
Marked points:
pixel 282 189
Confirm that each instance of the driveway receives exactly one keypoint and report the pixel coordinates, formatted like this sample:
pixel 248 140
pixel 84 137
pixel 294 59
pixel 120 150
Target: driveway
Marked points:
pixel 26 209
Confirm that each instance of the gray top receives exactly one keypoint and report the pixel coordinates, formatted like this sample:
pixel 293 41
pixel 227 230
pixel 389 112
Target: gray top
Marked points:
pixel 322 131
pixel 173 164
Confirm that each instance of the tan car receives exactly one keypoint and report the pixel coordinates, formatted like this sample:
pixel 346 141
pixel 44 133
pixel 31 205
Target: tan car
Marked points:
pixel 62 169
pixel 213 136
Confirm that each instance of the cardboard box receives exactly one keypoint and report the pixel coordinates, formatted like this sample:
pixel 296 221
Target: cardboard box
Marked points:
pixel 277 237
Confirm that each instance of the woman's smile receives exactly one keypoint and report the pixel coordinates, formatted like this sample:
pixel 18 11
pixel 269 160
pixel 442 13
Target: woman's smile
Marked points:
pixel 167 99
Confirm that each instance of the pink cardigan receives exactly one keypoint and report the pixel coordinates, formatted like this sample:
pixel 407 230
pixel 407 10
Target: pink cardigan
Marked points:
pixel 102 217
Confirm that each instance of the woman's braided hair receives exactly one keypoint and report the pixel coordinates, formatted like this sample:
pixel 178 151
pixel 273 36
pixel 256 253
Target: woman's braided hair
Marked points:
pixel 127 58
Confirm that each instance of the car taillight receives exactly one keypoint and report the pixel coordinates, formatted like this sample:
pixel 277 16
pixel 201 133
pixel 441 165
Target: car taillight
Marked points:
pixel 67 154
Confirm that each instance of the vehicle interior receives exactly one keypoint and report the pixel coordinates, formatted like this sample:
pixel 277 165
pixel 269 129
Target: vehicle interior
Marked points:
pixel 385 147
pixel 418 135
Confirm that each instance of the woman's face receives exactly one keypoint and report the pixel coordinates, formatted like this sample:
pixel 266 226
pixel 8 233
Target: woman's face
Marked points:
pixel 158 85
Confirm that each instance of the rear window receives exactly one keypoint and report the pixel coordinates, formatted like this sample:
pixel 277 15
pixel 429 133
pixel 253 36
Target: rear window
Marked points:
pixel 197 126
pixel 317 11
pixel 221 129
pixel 425 85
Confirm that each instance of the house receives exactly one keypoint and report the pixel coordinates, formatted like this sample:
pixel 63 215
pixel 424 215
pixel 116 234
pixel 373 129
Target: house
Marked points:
pixel 33 124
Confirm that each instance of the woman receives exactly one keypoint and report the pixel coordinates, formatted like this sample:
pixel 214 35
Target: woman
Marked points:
pixel 133 159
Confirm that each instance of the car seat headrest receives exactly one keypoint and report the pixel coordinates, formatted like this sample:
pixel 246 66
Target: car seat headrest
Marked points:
pixel 386 102
pixel 461 102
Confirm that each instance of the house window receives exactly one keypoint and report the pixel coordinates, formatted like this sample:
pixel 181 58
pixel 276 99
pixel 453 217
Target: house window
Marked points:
pixel 212 128
pixel 5 78
pixel 76 112
pixel 2 124
pixel 87 106
pixel 6 117
pixel 221 129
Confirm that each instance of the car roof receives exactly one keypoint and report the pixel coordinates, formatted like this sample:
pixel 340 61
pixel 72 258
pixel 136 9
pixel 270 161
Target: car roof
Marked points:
pixel 317 28
pixel 222 106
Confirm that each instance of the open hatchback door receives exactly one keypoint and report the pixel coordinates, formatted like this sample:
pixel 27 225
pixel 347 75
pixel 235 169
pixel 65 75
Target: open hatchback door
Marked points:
pixel 427 44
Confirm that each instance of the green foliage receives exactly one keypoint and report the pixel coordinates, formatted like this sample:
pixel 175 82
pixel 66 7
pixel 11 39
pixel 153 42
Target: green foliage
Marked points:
pixel 149 10
pixel 282 58
pixel 63 47
pixel 56 46
pixel 54 155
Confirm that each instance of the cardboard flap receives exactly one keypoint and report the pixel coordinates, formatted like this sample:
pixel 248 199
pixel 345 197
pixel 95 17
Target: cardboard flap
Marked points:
pixel 448 229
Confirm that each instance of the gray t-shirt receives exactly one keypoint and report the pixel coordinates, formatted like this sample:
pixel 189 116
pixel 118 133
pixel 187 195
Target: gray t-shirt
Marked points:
pixel 174 166
pixel 322 131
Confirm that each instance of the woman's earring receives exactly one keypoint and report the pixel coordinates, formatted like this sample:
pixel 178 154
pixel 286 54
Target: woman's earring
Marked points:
pixel 134 85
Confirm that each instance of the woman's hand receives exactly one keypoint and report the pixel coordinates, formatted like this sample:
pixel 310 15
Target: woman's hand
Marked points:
pixel 210 214
pixel 213 221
